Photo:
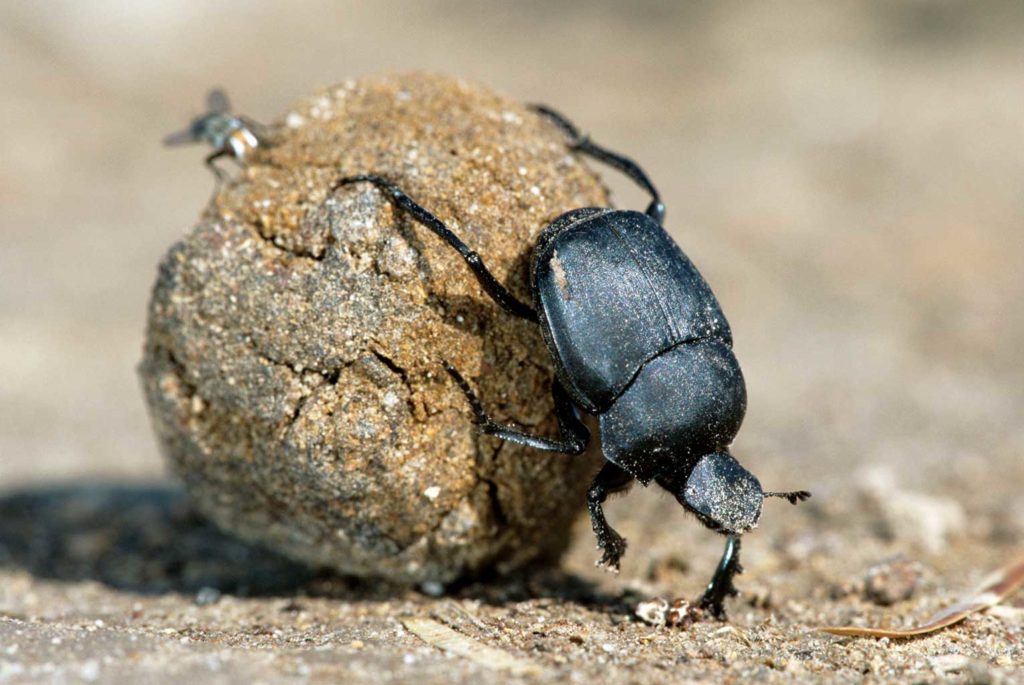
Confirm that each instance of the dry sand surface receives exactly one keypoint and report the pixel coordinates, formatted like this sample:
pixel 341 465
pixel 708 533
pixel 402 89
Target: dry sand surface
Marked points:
pixel 846 175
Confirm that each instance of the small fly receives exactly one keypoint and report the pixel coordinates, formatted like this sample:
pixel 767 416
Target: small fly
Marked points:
pixel 228 134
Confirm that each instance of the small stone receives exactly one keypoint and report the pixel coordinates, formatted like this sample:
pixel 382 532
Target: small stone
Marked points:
pixel 207 596
pixel 653 612
pixel 295 335
pixel 681 614
pixel 892 580
pixel 974 671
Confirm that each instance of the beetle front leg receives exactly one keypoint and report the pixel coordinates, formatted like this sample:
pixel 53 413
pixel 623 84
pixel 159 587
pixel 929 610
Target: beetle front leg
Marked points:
pixel 721 585
pixel 610 479
pixel 575 434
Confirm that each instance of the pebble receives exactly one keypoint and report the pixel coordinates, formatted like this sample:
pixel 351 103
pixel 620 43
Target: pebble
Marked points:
pixel 892 580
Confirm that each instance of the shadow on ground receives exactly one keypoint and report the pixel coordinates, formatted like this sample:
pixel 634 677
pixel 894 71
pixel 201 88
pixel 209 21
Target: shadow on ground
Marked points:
pixel 149 539
pixel 146 539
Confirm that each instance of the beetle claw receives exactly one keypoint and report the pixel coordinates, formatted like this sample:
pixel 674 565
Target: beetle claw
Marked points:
pixel 612 550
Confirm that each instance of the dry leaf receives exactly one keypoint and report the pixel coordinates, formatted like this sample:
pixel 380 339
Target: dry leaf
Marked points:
pixel 454 642
pixel 993 590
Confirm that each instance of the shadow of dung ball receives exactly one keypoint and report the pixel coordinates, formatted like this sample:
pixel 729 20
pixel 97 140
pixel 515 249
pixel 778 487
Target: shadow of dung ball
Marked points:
pixel 292 360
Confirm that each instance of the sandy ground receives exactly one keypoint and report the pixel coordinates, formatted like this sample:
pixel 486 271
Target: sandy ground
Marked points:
pixel 846 175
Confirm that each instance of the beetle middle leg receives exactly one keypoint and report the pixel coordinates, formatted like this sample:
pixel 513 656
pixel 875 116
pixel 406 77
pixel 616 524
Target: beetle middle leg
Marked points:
pixel 575 434
pixel 610 480
pixel 721 585
pixel 488 282
pixel 582 144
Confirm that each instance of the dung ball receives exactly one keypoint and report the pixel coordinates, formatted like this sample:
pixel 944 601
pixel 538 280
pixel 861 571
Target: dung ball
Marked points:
pixel 295 339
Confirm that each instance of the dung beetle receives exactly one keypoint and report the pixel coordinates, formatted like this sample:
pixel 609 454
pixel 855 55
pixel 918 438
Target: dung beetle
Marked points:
pixel 639 341
pixel 228 134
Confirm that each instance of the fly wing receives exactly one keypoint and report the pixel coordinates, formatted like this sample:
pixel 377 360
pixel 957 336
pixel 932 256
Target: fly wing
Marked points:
pixel 182 137
pixel 217 101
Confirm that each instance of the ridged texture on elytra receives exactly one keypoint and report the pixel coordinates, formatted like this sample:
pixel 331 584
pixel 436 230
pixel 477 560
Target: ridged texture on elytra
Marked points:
pixel 617 291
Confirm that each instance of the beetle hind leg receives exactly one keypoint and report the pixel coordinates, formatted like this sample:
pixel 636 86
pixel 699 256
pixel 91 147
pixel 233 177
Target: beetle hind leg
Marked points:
pixel 575 434
pixel 721 585
pixel 610 480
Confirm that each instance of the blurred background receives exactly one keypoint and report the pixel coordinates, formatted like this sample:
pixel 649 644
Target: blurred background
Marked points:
pixel 847 175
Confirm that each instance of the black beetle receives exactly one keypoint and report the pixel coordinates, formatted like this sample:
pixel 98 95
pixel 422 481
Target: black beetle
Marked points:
pixel 229 135
pixel 639 341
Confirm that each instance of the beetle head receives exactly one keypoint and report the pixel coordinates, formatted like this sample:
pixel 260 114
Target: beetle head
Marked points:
pixel 724 495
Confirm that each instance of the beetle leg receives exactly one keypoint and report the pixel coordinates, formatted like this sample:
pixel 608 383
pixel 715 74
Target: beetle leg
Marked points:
pixel 575 434
pixel 572 428
pixel 488 282
pixel 582 144
pixel 721 585
pixel 610 479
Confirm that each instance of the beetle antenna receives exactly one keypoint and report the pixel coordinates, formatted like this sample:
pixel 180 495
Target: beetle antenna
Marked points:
pixel 794 497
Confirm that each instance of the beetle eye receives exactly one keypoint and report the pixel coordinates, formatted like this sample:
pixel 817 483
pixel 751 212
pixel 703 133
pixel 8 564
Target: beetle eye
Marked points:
pixel 723 494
